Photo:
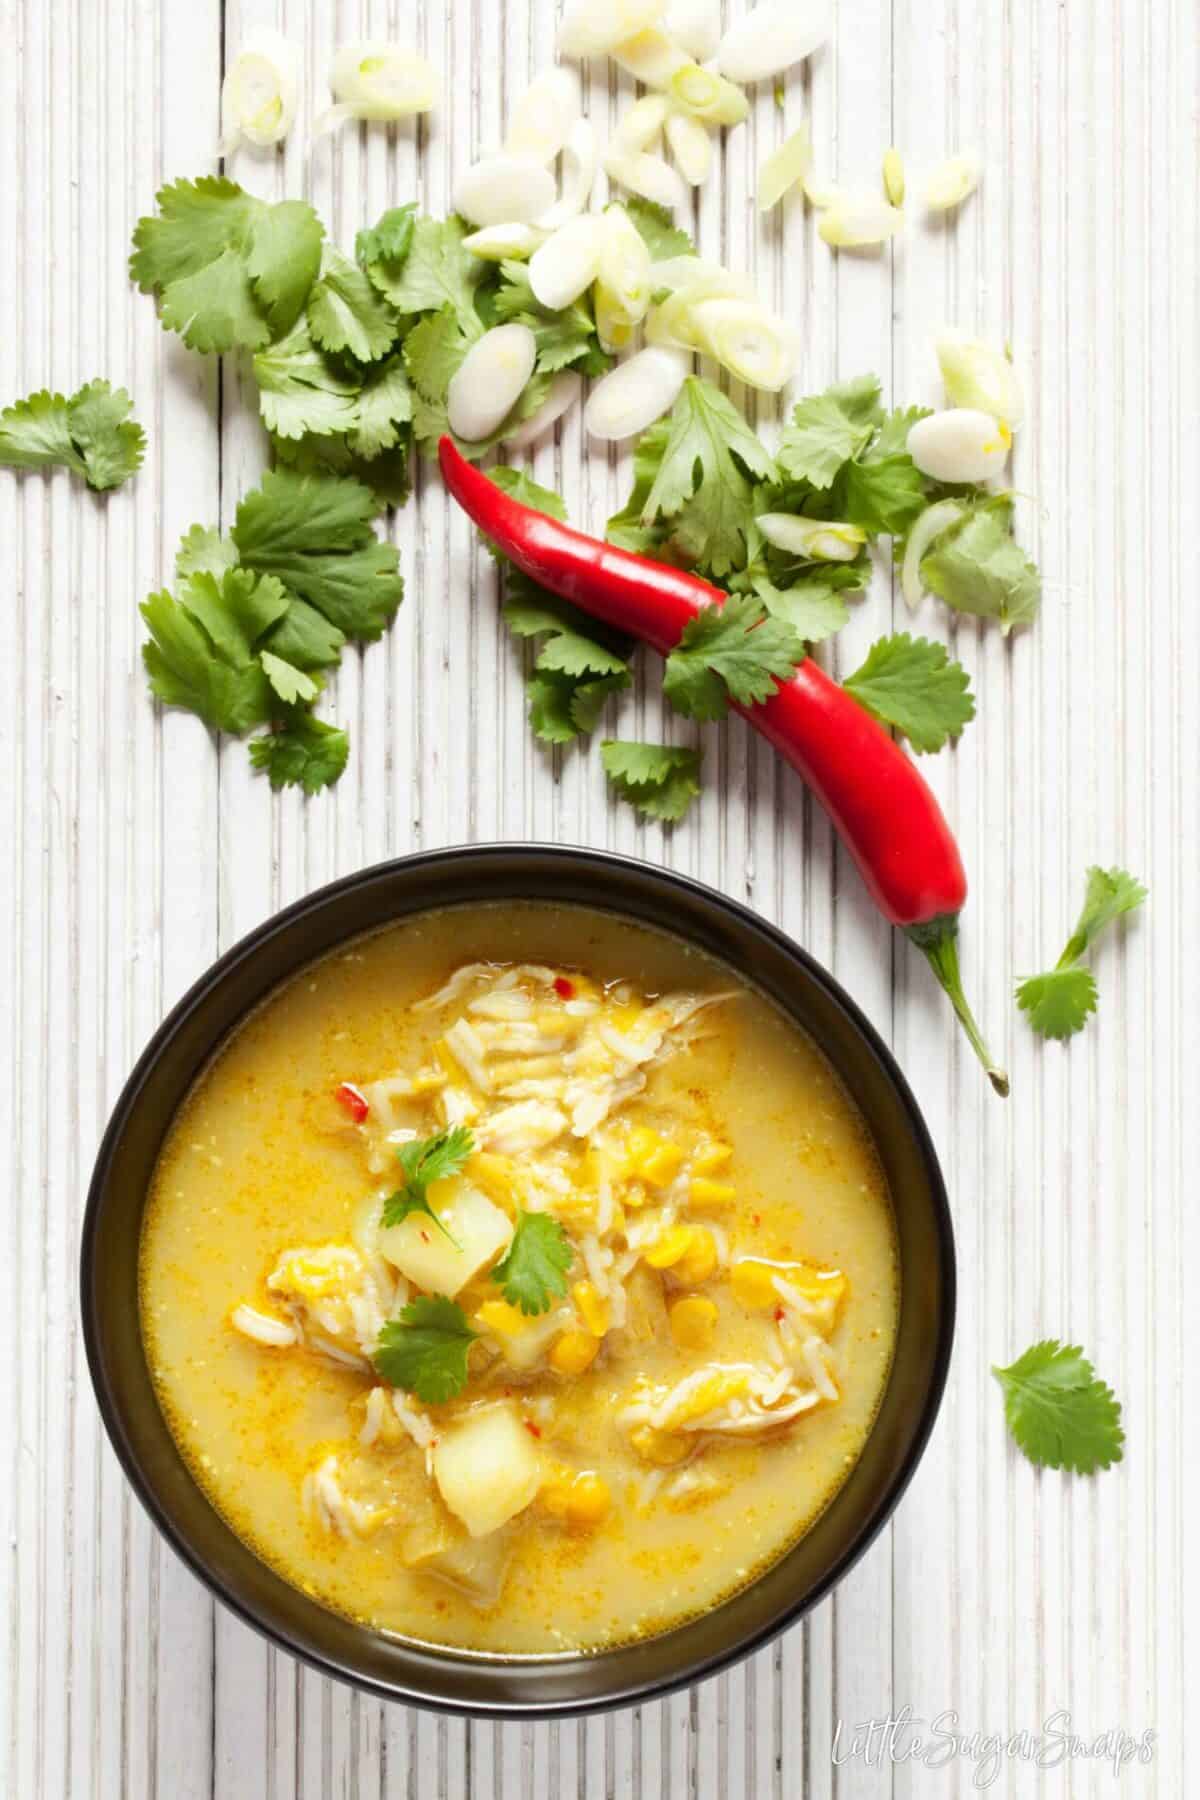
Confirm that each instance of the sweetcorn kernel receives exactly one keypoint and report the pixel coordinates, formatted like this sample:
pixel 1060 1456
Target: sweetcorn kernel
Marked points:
pixel 693 1321
pixel 660 1447
pixel 574 1352
pixel 666 1250
pixel 661 1165
pixel 753 1281
pixel 710 1196
pixel 593 1307
pixel 699 1260
pixel 717 1156
pixel 497 1176
pixel 500 1317
pixel 588 1500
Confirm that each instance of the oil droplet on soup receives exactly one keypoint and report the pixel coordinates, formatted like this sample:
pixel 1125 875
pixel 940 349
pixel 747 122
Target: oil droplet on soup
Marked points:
pixel 519 1279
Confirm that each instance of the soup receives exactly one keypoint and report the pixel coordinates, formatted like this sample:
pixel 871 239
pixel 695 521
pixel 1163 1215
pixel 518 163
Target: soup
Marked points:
pixel 518 1279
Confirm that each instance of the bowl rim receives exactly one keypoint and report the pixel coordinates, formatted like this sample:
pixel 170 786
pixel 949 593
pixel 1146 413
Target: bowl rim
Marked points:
pixel 607 864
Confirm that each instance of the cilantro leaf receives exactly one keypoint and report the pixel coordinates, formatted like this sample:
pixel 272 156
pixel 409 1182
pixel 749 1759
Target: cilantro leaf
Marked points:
pixel 627 527
pixel 301 390
pixel 659 232
pixel 977 567
pixel 346 312
pixel 735 651
pixel 385 405
pixel 535 1267
pixel 390 240
pixel 701 485
pixel 201 654
pixel 880 493
pixel 424 1161
pixel 229 270
pixel 386 474
pixel 911 684
pixel 660 780
pixel 524 488
pixel 1060 1002
pixel 91 433
pixel 290 683
pixel 563 338
pixel 204 551
pixel 892 437
pixel 814 607
pixel 424 1351
pixel 436 272
pixel 314 533
pixel 828 429
pixel 568 649
pixel 1060 1414
pixel 302 752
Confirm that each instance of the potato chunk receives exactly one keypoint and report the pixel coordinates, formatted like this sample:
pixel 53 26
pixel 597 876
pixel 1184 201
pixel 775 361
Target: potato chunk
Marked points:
pixel 487 1469
pixel 428 1257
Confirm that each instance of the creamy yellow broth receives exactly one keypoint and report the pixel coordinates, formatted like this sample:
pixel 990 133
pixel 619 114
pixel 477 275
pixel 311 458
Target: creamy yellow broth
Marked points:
pixel 261 1159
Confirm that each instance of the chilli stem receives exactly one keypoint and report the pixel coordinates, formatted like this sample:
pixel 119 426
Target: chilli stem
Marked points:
pixel 938 940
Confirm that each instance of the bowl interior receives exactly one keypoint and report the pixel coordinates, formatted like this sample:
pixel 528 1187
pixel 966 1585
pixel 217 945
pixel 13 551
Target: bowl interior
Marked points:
pixel 457 1679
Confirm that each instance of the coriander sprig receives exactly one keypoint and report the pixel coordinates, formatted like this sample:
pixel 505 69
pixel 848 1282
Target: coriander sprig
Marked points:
pixel 424 1350
pixel 1060 1414
pixel 535 1267
pixel 1059 1003
pixel 424 1161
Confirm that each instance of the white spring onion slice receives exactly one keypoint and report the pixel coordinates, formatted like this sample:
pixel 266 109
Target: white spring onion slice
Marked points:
pixel 565 390
pixel 755 345
pixel 375 80
pixel 594 27
pixel 504 190
pixel 708 96
pixel 686 271
pixel 784 168
pixel 695 25
pixel 893 177
pixel 488 382
pixel 978 375
pixel 638 127
pixel 542 118
pixel 567 262
pixel 693 282
pixel 928 527
pixel 635 393
pixel 951 182
pixel 505 243
pixel 959 445
pixel 691 147
pixel 820 540
pixel 625 270
pixel 819 194
pixel 258 96
pixel 578 177
pixel 648 176
pixel 650 57
pixel 772 37
pixel 854 220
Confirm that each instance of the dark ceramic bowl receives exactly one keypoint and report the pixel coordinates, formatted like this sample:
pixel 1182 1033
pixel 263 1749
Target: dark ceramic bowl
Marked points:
pixel 456 1680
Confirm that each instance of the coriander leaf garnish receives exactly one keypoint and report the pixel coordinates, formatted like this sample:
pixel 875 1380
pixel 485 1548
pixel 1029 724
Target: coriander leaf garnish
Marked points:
pixel 347 313
pixel 912 685
pixel 659 232
pixel 435 272
pixel 1059 1003
pixel 303 751
pixel 300 389
pixel 423 1162
pixel 564 338
pixel 535 1267
pixel 1061 1416
pixel 570 647
pixel 735 651
pixel 289 682
pixel 976 566
pixel 880 494
pixel 202 656
pixel 390 240
pixel 425 1350
pixel 813 606
pixel 230 271
pixel 91 433
pixel 702 488
pixel 660 780
pixel 828 429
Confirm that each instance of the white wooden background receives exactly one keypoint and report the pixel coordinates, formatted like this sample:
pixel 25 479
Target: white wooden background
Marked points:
pixel 133 851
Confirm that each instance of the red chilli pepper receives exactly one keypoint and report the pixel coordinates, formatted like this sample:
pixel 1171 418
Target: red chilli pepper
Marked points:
pixel 355 1103
pixel 880 804
pixel 563 988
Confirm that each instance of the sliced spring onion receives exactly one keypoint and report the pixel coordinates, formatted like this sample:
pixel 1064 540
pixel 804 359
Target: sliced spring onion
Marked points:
pixel 488 382
pixel 691 147
pixel 784 168
pixel 376 80
pixel 638 127
pixel 893 177
pixel 820 540
pixel 854 220
pixel 565 390
pixel 578 177
pixel 567 262
pixel 755 345
pixel 505 243
pixel 624 272
pixel 978 375
pixel 959 445
pixel 635 393
pixel 650 57
pixel 542 118
pixel 951 182
pixel 258 96
pixel 695 25
pixel 504 190
pixel 594 27
pixel 819 194
pixel 928 527
pixel 708 96
pixel 772 37
pixel 692 283
pixel 648 176
pixel 686 271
